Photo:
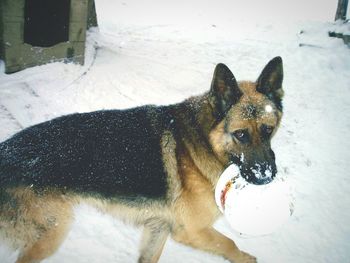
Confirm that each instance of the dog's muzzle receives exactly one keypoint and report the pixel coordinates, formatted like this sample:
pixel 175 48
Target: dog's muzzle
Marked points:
pixel 256 172
pixel 259 173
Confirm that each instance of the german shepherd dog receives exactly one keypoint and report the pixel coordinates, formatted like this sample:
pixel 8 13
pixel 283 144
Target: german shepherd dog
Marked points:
pixel 152 166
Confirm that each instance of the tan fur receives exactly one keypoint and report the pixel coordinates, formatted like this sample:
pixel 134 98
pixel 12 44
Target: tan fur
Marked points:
pixel 168 146
pixel 195 213
pixel 219 135
pixel 37 224
pixel 209 164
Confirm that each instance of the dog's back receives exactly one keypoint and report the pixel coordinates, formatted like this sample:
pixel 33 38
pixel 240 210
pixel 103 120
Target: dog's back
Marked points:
pixel 106 153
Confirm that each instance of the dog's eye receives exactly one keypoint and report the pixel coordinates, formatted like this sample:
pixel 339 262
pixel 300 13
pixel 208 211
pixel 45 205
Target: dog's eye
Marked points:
pixel 266 130
pixel 241 135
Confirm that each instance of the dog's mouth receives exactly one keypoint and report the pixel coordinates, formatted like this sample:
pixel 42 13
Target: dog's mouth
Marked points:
pixel 257 173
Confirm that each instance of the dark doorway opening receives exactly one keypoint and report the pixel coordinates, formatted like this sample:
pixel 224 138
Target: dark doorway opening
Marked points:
pixel 46 22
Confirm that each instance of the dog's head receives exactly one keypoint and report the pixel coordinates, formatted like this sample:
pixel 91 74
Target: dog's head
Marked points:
pixel 248 115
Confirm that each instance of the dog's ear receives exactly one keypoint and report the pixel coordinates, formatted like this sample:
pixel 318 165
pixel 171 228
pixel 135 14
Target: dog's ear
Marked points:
pixel 224 90
pixel 270 81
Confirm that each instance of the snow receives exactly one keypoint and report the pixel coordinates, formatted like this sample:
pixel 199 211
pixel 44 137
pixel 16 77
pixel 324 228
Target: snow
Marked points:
pixel 341 28
pixel 161 52
pixel 268 108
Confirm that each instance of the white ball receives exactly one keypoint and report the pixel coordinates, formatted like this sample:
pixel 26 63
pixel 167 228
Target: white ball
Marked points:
pixel 253 209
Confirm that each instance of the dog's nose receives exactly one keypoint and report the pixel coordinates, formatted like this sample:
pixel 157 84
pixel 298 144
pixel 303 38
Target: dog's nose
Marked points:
pixel 259 174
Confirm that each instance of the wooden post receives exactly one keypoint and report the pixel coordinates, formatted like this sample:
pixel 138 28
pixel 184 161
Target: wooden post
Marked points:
pixel 341 10
pixel 92 18
pixel 1 33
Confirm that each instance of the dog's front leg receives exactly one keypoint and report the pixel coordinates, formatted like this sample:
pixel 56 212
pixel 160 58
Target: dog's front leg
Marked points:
pixel 154 236
pixel 208 239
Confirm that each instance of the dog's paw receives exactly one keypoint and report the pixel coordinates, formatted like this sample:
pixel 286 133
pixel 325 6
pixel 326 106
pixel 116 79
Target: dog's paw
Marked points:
pixel 243 257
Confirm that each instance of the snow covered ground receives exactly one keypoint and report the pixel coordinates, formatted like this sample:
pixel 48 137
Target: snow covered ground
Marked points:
pixel 161 52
